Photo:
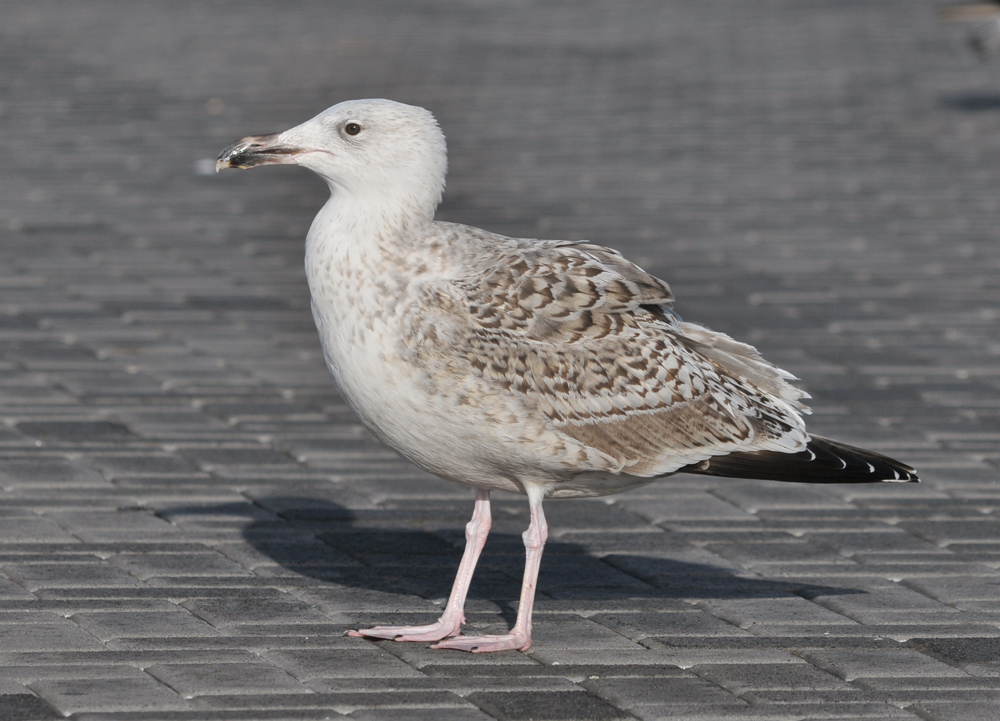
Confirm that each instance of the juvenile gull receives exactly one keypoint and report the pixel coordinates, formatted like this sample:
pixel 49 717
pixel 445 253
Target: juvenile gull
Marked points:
pixel 555 369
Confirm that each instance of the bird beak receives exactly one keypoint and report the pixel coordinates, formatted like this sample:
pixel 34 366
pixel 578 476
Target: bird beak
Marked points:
pixel 256 150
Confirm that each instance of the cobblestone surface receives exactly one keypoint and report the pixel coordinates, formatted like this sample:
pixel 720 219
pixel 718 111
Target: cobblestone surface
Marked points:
pixel 191 518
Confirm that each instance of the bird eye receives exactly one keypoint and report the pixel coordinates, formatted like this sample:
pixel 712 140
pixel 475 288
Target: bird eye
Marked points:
pixel 352 128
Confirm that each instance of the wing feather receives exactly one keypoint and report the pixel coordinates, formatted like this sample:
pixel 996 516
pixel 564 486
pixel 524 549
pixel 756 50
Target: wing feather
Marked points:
pixel 591 341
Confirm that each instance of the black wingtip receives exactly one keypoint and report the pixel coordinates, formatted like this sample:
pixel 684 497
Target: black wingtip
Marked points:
pixel 823 461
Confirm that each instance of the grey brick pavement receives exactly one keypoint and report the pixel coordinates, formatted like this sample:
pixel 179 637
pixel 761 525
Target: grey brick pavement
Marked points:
pixel 191 518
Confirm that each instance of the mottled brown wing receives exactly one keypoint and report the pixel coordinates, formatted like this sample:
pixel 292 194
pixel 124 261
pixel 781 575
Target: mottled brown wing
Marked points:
pixel 562 292
pixel 589 340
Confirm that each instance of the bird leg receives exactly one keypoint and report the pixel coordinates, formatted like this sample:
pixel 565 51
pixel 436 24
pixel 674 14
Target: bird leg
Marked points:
pixel 450 623
pixel 519 637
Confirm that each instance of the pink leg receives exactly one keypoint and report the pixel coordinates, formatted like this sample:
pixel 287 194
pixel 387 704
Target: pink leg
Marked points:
pixel 450 623
pixel 519 637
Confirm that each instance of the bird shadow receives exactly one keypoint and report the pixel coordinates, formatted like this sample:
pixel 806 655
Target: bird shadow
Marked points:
pixel 415 549
pixel 973 102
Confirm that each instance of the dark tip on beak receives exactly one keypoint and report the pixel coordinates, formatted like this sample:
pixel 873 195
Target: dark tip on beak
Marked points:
pixel 255 150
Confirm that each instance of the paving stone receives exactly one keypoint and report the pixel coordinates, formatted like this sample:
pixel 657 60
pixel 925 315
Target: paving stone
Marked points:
pixel 693 623
pixel 960 684
pixel 143 625
pixel 32 529
pixel 525 672
pixel 842 711
pixel 237 456
pixel 957 624
pixel 460 685
pixel 46 472
pixel 342 663
pixel 77 431
pixel 120 694
pixel 670 566
pixel 574 633
pixel 242 642
pixel 756 497
pixel 326 631
pixel 147 565
pixel 956 711
pixel 699 712
pixel 11 590
pixel 152 463
pixel 739 679
pixel 120 524
pixel 841 698
pixel 359 601
pixel 61 635
pixel 894 541
pixel 31 672
pixel 894 599
pixel 544 706
pixel 428 714
pixel 956 589
pixel 576 657
pixel 10 687
pixel 26 707
pixel 225 678
pixel 110 658
pixel 20 617
pixel 684 508
pixel 670 651
pixel 224 612
pixel 630 692
pixel 400 699
pixel 977 656
pixel 792 610
pixel 940 696
pixel 39 576
pixel 850 665
pixel 755 555
pixel 947 532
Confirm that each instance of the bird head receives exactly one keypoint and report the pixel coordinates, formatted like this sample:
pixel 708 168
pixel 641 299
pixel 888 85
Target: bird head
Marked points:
pixel 371 151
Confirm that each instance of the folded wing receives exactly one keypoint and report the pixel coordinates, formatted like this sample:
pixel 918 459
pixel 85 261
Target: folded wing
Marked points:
pixel 590 341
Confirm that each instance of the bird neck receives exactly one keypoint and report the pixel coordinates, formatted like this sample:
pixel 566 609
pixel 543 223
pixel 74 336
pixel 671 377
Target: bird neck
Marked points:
pixel 362 227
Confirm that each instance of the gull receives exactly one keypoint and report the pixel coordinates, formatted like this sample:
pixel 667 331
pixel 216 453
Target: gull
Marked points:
pixel 553 369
